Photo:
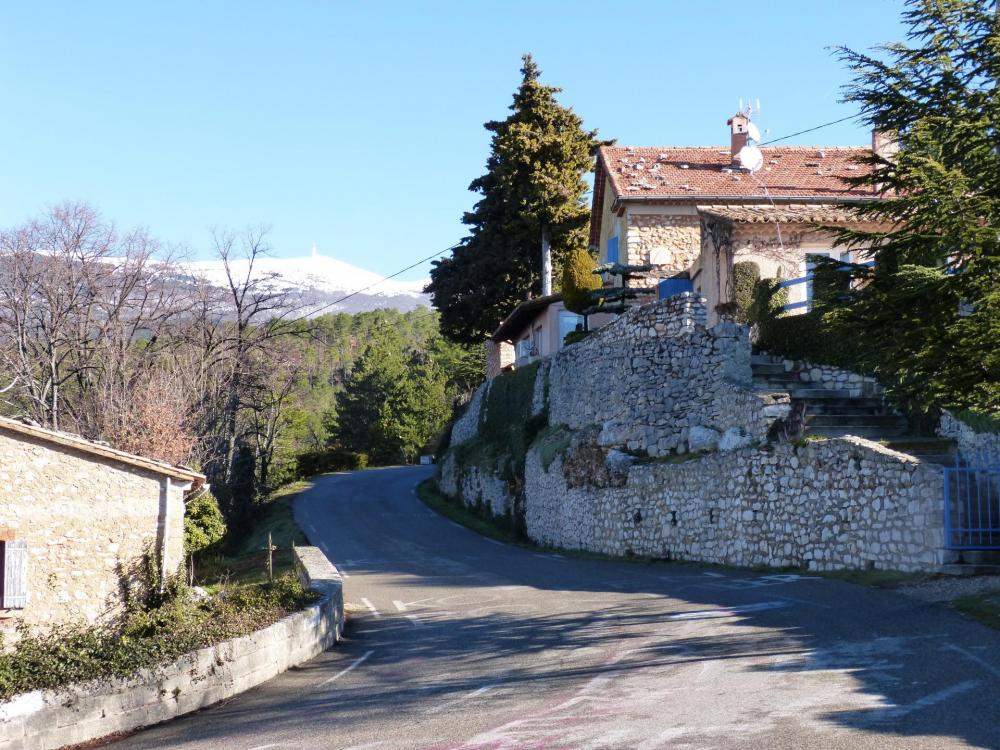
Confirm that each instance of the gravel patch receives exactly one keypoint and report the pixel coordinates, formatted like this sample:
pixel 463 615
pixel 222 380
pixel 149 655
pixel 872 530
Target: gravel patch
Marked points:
pixel 946 589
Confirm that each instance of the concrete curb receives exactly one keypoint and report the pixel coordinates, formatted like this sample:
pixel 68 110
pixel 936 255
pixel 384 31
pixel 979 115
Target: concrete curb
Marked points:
pixel 49 719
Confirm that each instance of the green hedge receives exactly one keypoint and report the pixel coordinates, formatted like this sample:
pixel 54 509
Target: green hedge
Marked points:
pixel 332 459
pixel 812 338
pixel 148 638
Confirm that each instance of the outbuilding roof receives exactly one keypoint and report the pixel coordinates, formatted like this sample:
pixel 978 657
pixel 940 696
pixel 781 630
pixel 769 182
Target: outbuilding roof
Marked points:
pixel 77 443
pixel 785 213
pixel 692 173
pixel 521 315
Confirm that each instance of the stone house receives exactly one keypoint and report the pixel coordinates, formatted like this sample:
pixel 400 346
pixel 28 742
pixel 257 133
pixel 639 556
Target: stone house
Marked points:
pixel 695 211
pixel 77 520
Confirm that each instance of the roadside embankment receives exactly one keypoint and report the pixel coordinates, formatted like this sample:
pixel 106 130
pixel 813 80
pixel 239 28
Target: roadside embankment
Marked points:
pixel 85 711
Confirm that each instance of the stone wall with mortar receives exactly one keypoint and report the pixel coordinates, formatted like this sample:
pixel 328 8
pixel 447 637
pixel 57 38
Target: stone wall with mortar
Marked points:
pixel 978 447
pixel 826 505
pixel 83 712
pixel 826 376
pixel 658 382
pixel 87 521
pixel 670 241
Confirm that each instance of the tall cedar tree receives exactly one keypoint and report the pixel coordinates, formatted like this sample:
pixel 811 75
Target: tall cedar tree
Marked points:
pixel 533 186
pixel 929 309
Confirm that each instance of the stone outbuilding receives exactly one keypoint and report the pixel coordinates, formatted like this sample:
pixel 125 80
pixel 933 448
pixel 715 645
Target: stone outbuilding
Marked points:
pixel 80 522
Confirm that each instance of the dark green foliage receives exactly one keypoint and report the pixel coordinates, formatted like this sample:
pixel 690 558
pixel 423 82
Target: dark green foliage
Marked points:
pixel 147 638
pixel 326 460
pixel 980 421
pixel 579 280
pixel 533 187
pixel 766 303
pixel 203 522
pixel 746 274
pixel 930 309
pixel 573 336
pixel 807 337
pixel 506 426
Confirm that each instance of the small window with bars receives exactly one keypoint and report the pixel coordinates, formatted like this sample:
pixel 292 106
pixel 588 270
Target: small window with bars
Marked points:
pixel 13 574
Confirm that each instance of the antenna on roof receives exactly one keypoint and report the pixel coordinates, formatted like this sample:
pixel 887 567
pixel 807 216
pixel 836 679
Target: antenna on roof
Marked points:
pixel 751 158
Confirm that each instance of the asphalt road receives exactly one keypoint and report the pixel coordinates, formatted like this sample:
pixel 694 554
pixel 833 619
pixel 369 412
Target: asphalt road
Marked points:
pixel 457 641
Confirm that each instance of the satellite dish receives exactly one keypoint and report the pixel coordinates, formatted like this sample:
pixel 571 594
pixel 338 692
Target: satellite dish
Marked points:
pixel 751 158
pixel 753 131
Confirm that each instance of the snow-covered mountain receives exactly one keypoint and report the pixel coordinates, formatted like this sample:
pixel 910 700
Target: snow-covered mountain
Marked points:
pixel 314 281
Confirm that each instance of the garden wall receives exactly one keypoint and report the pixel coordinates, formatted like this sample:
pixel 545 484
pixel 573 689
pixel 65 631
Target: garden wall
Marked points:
pixel 85 711
pixel 826 505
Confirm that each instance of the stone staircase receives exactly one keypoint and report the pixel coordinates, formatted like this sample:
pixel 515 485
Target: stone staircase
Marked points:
pixel 835 412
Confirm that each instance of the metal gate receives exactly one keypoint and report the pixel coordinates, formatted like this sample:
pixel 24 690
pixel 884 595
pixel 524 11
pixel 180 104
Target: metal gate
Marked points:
pixel 972 503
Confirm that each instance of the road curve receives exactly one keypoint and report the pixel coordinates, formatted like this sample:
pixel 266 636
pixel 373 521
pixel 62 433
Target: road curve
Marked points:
pixel 457 641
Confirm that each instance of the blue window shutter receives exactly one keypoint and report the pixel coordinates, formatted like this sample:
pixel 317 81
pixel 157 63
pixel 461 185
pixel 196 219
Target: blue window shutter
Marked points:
pixel 15 574
pixel 612 250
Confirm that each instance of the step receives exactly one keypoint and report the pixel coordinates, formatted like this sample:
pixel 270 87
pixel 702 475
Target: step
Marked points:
pixel 833 409
pixel 915 444
pixel 768 368
pixel 869 432
pixel 766 359
pixel 869 420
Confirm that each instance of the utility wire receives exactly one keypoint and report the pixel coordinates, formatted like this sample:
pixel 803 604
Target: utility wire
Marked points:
pixel 376 283
pixel 809 130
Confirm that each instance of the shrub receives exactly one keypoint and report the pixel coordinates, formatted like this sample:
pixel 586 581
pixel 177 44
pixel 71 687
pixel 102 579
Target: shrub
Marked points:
pixel 148 638
pixel 980 420
pixel 769 297
pixel 329 459
pixel 746 274
pixel 203 522
pixel 579 280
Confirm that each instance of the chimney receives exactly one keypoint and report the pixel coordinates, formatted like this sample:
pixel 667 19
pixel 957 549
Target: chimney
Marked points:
pixel 738 135
pixel 885 143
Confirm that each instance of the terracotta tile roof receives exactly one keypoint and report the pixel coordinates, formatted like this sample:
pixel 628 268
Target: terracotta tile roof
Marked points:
pixel 687 173
pixel 790 213
pixel 520 316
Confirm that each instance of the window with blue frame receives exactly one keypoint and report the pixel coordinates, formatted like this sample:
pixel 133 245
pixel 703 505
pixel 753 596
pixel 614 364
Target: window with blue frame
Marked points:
pixel 612 249
pixel 567 324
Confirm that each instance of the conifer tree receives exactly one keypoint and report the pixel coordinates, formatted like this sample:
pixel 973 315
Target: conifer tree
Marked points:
pixel 928 310
pixel 533 189
pixel 579 280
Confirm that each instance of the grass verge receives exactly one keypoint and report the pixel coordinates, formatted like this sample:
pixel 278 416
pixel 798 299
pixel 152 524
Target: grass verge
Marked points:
pixel 880 579
pixel 983 608
pixel 246 560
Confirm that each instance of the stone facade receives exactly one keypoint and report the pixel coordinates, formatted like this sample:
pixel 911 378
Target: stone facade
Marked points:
pixel 499 356
pixel 88 521
pixel 828 505
pixel 670 241
pixel 657 382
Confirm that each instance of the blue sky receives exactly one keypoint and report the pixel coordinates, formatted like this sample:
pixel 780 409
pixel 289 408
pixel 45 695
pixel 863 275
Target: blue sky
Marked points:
pixel 359 125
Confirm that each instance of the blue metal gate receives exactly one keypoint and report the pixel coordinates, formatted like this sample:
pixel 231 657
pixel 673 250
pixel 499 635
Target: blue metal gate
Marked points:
pixel 972 503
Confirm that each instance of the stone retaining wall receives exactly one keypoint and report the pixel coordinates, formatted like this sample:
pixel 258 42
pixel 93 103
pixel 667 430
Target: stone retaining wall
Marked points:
pixel 976 447
pixel 82 712
pixel 657 381
pixel 826 505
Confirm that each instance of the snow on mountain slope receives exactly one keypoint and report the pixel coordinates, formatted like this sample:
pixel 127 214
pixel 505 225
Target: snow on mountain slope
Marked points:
pixel 317 280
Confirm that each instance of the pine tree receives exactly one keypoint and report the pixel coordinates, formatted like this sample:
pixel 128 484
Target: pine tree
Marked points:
pixel 929 309
pixel 533 188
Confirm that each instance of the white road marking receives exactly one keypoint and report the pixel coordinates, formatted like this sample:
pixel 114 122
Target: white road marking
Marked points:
pixel 972 657
pixel 313 529
pixel 494 541
pixel 399 605
pixel 344 671
pixel 928 700
pixel 469 696
pixel 706 614
pixel 415 620
pixel 371 608
pixel 714 575
pixel 456 525
pixel 264 747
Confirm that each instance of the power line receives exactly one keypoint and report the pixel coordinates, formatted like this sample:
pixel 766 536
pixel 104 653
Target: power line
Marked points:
pixel 809 130
pixel 376 283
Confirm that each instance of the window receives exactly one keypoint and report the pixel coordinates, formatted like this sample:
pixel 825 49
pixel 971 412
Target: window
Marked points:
pixel 567 324
pixel 612 249
pixel 13 574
